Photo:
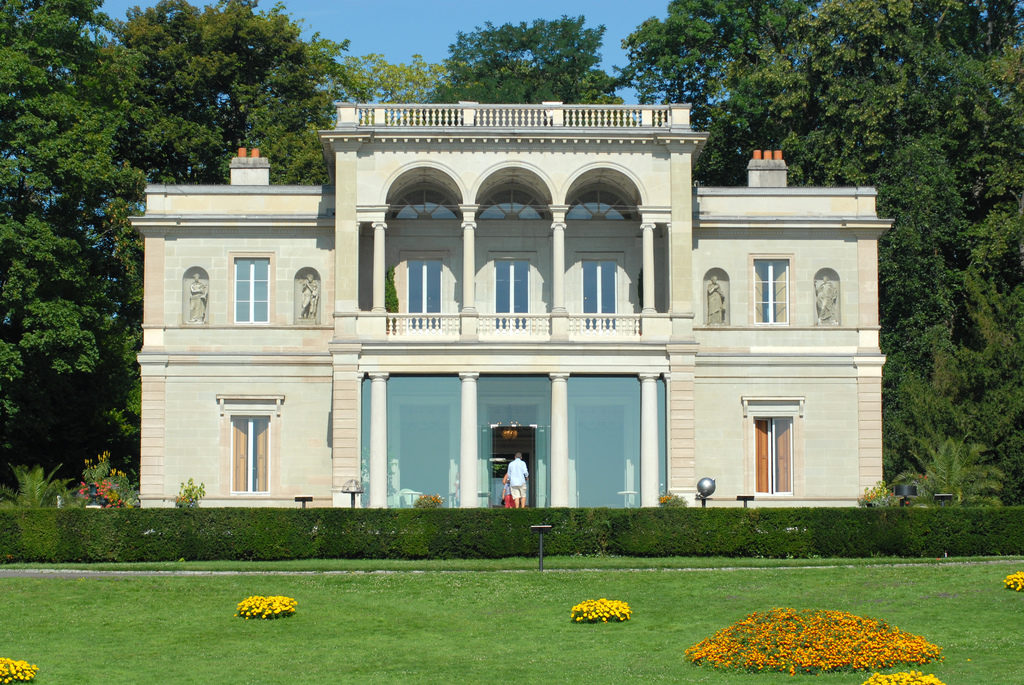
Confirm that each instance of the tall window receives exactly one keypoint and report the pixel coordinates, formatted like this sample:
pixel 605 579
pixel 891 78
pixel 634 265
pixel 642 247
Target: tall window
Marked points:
pixel 773 440
pixel 250 448
pixel 424 286
pixel 252 290
pixel 599 287
pixel 512 286
pixel 771 290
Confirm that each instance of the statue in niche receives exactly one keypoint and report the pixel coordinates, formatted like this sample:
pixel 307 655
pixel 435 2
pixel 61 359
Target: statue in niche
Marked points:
pixel 310 299
pixel 716 302
pixel 826 300
pixel 197 293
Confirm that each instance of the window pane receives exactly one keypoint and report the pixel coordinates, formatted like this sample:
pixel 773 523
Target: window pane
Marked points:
pixel 589 287
pixel 415 286
pixel 782 455
pixel 243 291
pixel 260 312
pixel 502 287
pixel 433 286
pixel 261 269
pixel 242 312
pixel 261 291
pixel 521 286
pixel 608 287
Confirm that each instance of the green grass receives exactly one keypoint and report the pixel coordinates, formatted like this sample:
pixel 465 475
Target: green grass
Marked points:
pixel 479 622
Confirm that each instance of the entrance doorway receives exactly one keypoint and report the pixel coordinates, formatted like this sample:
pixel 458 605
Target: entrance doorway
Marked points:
pixel 505 442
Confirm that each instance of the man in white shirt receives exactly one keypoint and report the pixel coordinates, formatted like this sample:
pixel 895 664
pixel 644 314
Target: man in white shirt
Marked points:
pixel 517 476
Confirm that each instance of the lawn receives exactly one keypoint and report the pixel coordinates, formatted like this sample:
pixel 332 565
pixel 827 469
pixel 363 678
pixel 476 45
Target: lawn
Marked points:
pixel 485 623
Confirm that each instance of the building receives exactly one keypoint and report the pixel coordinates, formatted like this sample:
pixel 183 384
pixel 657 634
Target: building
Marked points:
pixel 564 290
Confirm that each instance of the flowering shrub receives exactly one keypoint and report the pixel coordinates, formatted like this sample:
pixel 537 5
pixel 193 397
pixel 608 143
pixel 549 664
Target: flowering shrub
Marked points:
pixel 811 642
pixel 428 502
pixel 669 500
pixel 258 606
pixel 600 611
pixel 189 495
pixel 903 678
pixel 1014 581
pixel 878 496
pixel 13 670
pixel 113 488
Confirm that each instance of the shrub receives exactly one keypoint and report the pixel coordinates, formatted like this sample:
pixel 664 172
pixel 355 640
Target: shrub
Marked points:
pixel 878 496
pixel 903 678
pixel 811 642
pixel 104 485
pixel 189 495
pixel 428 502
pixel 274 606
pixel 600 611
pixel 670 501
pixel 1014 581
pixel 14 670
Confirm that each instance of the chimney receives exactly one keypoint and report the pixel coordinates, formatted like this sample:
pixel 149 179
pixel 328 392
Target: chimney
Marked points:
pixel 767 169
pixel 249 169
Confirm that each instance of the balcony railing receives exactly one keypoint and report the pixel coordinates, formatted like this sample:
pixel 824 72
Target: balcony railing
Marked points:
pixel 423 325
pixel 604 326
pixel 548 115
pixel 515 326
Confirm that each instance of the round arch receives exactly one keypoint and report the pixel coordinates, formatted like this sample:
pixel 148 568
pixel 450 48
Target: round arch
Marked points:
pixel 526 175
pixel 616 178
pixel 424 173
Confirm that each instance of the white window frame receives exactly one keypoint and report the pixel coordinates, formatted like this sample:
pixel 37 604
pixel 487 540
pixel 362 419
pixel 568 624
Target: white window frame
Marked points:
pixel 422 277
pixel 775 425
pixel 252 476
pixel 768 291
pixel 251 281
pixel 775 409
pixel 511 304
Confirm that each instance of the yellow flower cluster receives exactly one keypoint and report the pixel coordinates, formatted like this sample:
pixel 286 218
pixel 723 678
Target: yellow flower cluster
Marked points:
pixel 16 671
pixel 1014 581
pixel 600 611
pixel 809 641
pixel 904 678
pixel 258 606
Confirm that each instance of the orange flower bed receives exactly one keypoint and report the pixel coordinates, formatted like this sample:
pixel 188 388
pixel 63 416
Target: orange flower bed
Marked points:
pixel 811 642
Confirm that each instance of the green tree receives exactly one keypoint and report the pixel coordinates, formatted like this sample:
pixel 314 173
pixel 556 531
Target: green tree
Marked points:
pixel 553 60
pixel 371 78
pixel 69 288
pixel 34 488
pixel 209 81
pixel 955 467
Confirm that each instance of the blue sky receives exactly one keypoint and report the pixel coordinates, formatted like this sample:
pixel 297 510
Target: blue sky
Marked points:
pixel 400 28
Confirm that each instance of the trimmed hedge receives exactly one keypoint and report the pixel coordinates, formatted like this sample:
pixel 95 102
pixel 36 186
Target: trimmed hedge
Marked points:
pixel 62 535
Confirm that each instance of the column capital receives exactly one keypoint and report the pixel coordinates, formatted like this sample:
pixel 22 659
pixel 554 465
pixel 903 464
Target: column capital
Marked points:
pixel 558 376
pixel 382 225
pixel 468 225
pixel 558 213
pixel 648 376
pixel 378 375
pixel 469 375
pixel 557 226
pixel 647 226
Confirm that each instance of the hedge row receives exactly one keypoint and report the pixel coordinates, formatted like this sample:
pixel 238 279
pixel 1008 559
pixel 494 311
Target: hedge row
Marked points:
pixel 62 535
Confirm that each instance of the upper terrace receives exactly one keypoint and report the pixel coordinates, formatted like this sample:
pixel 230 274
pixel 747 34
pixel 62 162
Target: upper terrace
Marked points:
pixel 548 115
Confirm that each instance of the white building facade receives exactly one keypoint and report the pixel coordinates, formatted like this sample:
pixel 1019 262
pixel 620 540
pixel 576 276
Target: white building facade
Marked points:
pixel 563 289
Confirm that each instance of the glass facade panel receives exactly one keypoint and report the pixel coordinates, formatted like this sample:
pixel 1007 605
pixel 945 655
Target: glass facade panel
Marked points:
pixel 424 416
pixel 508 401
pixel 604 441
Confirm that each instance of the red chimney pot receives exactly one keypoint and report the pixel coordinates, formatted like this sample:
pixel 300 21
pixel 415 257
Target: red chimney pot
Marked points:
pixel 757 154
pixel 256 152
pixel 778 155
pixel 242 152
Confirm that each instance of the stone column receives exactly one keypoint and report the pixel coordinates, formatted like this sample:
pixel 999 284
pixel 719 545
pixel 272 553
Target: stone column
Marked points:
pixel 559 440
pixel 468 263
pixel 378 440
pixel 648 282
pixel 468 480
pixel 378 265
pixel 649 440
pixel 558 266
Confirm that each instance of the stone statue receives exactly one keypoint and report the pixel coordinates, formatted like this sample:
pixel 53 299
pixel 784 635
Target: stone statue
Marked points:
pixel 716 302
pixel 826 301
pixel 197 300
pixel 310 300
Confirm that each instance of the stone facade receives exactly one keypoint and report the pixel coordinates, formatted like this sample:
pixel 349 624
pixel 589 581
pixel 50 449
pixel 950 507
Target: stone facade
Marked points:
pixel 564 290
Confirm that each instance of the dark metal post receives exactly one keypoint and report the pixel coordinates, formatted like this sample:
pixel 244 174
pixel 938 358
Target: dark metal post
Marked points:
pixel 541 530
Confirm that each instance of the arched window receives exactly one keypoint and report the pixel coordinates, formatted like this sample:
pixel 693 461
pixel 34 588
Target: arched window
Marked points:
pixel 423 203
pixel 601 204
pixel 512 203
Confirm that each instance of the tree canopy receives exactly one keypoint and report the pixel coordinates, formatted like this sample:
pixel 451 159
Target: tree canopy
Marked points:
pixel 553 60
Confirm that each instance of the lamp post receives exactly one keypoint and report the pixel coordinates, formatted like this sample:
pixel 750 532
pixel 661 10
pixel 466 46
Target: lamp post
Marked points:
pixel 541 530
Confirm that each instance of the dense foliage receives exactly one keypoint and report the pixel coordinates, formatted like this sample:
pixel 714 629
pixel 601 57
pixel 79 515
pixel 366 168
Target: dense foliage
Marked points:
pixel 923 99
pixel 52 535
